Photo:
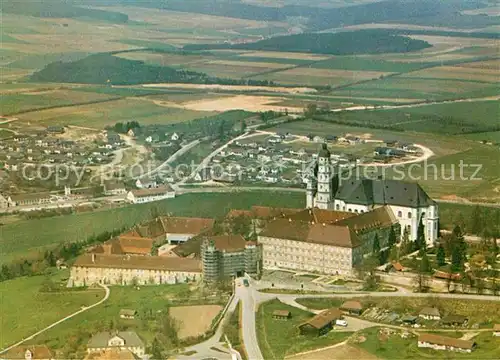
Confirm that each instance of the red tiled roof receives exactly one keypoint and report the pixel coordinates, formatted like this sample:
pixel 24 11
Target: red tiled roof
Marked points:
pixel 186 225
pixel 352 305
pixel 444 340
pixel 324 318
pixel 229 243
pixel 152 192
pixel 138 262
pixel 397 266
pixel 37 352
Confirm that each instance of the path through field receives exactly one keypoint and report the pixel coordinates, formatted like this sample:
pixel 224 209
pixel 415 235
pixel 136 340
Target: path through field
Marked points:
pixel 85 308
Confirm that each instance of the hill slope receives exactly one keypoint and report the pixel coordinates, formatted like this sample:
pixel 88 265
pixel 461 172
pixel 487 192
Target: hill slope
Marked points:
pixel 344 43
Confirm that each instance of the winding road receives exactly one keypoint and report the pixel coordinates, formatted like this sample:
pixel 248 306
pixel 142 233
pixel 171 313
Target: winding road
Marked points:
pixel 83 309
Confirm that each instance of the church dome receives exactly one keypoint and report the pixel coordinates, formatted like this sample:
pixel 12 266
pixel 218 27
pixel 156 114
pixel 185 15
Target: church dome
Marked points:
pixel 324 152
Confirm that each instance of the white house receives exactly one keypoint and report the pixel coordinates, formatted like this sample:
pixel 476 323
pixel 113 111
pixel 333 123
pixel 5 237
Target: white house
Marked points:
pixel 146 183
pixel 149 139
pixel 496 330
pixel 438 342
pixel 407 200
pixel 122 340
pixel 149 195
pixel 174 137
pixel 430 313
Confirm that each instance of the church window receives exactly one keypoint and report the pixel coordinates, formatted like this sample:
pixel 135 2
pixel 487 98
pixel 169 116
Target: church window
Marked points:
pixel 409 214
pixel 356 211
pixel 400 214
pixel 337 207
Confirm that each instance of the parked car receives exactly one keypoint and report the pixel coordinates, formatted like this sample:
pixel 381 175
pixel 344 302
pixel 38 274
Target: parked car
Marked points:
pixel 341 323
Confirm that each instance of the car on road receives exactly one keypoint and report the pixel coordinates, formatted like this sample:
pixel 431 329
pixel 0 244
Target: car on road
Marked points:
pixel 341 323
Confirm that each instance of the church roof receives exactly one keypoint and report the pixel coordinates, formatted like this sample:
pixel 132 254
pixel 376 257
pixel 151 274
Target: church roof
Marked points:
pixel 382 192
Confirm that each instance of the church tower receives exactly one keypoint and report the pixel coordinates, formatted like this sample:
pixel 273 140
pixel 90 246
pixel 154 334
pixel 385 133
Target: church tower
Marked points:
pixel 324 194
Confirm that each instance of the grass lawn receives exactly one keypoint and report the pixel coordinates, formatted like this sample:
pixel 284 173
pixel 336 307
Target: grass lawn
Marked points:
pixel 279 338
pixel 20 238
pixel 195 155
pixel 143 299
pixel 25 309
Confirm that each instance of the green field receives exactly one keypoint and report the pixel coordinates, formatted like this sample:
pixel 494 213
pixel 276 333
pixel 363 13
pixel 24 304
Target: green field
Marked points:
pixel 279 338
pixel 366 64
pixel 446 118
pixel 25 309
pixel 15 103
pixel 25 237
pixel 144 300
pixel 109 113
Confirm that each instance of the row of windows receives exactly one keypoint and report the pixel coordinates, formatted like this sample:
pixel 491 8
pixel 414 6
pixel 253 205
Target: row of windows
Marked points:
pixel 337 207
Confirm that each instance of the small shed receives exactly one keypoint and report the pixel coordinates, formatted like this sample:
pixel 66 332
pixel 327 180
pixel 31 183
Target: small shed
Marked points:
pixel 409 319
pixel 352 307
pixel 127 313
pixel 454 320
pixel 282 314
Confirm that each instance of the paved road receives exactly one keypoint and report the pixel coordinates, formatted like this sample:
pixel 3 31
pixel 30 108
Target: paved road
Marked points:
pixel 106 296
pixel 249 304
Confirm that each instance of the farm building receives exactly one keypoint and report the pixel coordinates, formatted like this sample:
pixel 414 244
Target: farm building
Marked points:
pixel 127 313
pixel 29 352
pixel 282 314
pixel 429 313
pixel 150 195
pixel 122 340
pixel 321 323
pixel 409 320
pixel 352 307
pixel 454 320
pixel 438 342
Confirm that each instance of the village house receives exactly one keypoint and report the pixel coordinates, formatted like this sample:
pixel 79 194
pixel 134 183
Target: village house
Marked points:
pixel 322 323
pixel 113 138
pixel 438 342
pixel 282 314
pixel 149 195
pixel 125 245
pixel 454 320
pixel 4 202
pixel 496 330
pixel 430 313
pixel 128 314
pixel 146 183
pixel 92 268
pixel 122 340
pixel 409 319
pixel 352 307
pixel 175 137
pixel 29 352
pixel 114 188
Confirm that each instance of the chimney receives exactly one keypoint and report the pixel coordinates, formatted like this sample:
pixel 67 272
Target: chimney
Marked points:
pixel 93 257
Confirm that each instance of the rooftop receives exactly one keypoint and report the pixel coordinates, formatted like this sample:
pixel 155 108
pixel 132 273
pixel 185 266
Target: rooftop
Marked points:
pixel 138 262
pixel 229 243
pixel 153 191
pixel 324 318
pixel 100 340
pixel 37 352
pixel 444 340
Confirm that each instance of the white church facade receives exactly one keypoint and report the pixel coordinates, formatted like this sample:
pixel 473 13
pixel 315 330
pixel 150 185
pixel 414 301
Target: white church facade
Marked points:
pixel 407 200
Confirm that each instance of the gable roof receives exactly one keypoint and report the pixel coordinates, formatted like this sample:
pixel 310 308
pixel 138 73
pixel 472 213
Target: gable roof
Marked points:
pixel 322 319
pixel 37 352
pixel 383 192
pixel 138 262
pixel 186 225
pixel 432 311
pixel 379 217
pixel 324 234
pixel 447 341
pixel 100 340
pixel 321 215
pixel 451 319
pixel 152 192
pixel 352 305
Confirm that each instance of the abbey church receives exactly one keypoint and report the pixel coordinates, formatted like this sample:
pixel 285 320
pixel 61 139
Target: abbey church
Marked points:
pixel 407 200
